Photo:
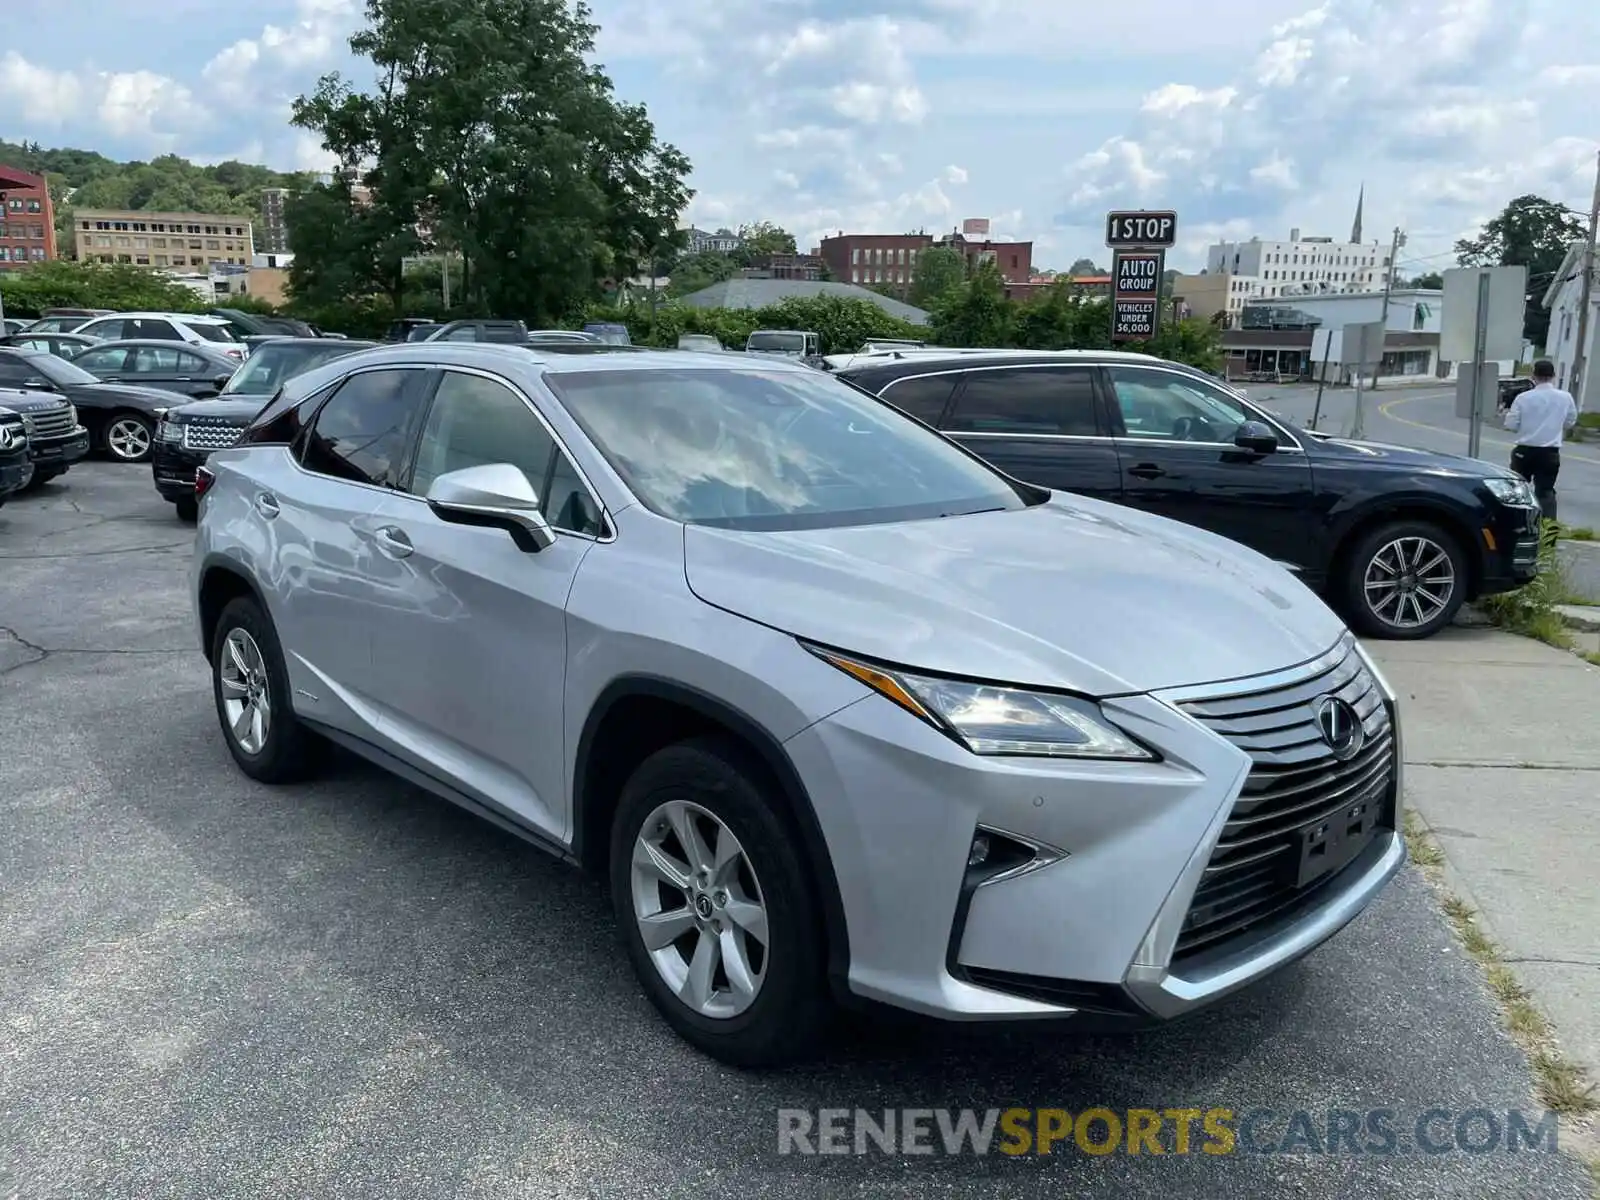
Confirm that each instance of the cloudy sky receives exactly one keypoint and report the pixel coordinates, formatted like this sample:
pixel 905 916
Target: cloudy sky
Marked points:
pixel 891 115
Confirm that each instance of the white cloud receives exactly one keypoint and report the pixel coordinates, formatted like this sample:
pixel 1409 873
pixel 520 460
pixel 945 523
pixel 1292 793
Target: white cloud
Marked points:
pixel 259 69
pixel 955 175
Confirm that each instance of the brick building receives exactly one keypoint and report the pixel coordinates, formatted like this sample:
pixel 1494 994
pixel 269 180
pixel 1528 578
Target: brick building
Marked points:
pixel 177 241
pixel 789 266
pixel 27 219
pixel 874 258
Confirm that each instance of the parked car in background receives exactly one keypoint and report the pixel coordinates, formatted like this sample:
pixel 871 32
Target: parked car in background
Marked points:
pixel 610 332
pixel 9 326
pixel 1397 539
pixel 836 709
pixel 118 418
pixel 66 320
pixel 189 433
pixel 49 422
pixel 479 330
pixel 62 345
pixel 181 327
pixel 699 341
pixel 16 469
pixel 402 330
pixel 246 325
pixel 192 369
pixel 560 337
pixel 785 343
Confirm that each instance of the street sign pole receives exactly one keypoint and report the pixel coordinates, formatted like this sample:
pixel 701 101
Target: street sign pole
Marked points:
pixel 1316 412
pixel 1479 367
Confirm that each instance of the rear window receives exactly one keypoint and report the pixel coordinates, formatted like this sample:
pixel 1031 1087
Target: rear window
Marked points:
pixel 211 333
pixel 794 343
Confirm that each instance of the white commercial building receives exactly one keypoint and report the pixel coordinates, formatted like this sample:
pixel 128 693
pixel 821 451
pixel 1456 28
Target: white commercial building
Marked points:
pixel 1562 298
pixel 1411 329
pixel 1301 266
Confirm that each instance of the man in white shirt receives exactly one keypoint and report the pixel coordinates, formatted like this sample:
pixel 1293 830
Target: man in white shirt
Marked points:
pixel 1540 417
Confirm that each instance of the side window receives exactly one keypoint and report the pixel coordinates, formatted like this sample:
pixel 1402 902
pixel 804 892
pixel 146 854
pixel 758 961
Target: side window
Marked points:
pixel 14 371
pixel 466 333
pixel 149 327
pixel 1051 400
pixel 95 361
pixel 474 422
pixel 924 397
pixel 155 360
pixel 361 432
pixel 193 364
pixel 567 503
pixel 1161 406
pixel 110 331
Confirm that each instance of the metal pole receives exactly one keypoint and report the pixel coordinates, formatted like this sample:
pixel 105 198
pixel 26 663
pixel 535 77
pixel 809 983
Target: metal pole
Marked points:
pixel 444 264
pixel 1480 341
pixel 1327 347
pixel 1383 317
pixel 1575 383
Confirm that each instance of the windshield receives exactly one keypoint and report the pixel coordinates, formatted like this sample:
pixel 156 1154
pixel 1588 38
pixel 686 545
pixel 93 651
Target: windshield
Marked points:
pixel 265 371
pixel 612 335
pixel 59 370
pixel 211 333
pixel 770 449
pixel 788 343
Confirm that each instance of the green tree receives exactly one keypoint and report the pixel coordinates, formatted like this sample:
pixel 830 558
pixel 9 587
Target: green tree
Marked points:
pixel 761 239
pixel 976 313
pixel 940 270
pixel 695 272
pixel 1430 280
pixel 117 286
pixel 1087 266
pixel 1530 232
pixel 490 129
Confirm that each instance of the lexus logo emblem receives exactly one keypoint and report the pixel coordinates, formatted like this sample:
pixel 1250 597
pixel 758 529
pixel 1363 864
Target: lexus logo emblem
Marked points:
pixel 1341 728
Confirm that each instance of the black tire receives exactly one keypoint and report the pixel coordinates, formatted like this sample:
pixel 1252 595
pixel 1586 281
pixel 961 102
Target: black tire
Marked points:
pixel 290 751
pixel 40 478
pixel 1376 617
pixel 791 1009
pixel 188 508
pixel 109 437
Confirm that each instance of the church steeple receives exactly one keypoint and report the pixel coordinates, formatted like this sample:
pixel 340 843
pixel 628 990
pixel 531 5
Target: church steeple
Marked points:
pixel 1355 230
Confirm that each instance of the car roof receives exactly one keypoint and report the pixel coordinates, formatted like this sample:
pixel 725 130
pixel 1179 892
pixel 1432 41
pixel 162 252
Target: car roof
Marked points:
pixel 192 318
pixel 171 343
pixel 914 362
pixel 318 343
pixel 548 360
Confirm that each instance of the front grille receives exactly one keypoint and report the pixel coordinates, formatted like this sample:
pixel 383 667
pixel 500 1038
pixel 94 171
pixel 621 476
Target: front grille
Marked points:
pixel 57 422
pixel 209 433
pixel 1295 782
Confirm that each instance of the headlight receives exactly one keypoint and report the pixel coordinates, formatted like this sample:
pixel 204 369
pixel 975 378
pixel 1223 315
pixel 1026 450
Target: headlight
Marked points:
pixel 1516 492
pixel 169 431
pixel 72 414
pixel 992 719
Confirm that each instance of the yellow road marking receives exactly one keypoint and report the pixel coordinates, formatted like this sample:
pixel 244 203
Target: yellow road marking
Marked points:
pixel 1387 409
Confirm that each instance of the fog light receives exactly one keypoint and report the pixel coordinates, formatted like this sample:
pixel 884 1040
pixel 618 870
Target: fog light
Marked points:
pixel 979 854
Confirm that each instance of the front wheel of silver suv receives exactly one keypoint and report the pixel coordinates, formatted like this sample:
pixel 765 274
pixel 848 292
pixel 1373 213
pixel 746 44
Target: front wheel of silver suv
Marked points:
pixel 716 908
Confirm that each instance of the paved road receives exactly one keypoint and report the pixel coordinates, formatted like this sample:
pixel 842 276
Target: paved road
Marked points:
pixel 1424 417
pixel 211 988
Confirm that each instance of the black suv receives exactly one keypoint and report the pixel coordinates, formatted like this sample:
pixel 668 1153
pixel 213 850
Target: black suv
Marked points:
pixel 513 333
pixel 1397 539
pixel 50 422
pixel 189 433
pixel 16 471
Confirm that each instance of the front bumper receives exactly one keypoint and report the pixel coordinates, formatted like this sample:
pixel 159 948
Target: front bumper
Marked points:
pixel 16 471
pixel 172 467
pixel 1125 923
pixel 58 453
pixel 1509 545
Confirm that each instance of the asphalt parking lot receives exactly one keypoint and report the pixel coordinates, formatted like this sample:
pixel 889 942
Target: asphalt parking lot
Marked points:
pixel 211 988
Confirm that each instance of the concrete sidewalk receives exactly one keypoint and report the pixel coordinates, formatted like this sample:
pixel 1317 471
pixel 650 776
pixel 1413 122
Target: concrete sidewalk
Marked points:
pixel 1502 755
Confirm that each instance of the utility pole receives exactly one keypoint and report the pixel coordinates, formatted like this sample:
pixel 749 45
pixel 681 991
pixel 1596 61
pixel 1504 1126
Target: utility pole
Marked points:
pixel 1359 430
pixel 1575 383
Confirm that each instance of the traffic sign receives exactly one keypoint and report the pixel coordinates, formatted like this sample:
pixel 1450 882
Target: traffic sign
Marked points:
pixel 1149 230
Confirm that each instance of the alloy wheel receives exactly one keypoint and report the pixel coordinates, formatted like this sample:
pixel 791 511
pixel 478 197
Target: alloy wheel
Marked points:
pixel 1409 582
pixel 699 909
pixel 128 438
pixel 246 694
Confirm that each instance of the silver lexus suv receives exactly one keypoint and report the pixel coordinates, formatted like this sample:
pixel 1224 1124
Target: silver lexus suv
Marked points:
pixel 838 712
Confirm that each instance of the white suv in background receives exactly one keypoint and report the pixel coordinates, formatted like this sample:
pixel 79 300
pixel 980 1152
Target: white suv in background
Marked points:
pixel 186 327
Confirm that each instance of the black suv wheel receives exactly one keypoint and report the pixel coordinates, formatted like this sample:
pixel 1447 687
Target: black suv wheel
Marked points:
pixel 1404 580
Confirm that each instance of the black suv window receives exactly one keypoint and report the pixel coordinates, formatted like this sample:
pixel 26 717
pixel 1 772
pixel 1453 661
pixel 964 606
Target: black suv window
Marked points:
pixel 923 396
pixel 15 371
pixel 360 434
pixel 476 421
pixel 1052 400
pixel 1166 406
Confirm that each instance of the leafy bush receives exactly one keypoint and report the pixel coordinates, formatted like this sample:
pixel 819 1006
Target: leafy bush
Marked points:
pixel 840 323
pixel 115 286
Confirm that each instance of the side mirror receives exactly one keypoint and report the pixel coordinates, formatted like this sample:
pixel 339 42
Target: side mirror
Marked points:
pixel 37 383
pixel 496 496
pixel 1256 437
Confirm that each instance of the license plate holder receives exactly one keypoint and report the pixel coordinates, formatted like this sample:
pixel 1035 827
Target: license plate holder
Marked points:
pixel 1332 842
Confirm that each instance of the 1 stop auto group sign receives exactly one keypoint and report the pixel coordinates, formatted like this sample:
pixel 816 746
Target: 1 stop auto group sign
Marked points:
pixel 1139 241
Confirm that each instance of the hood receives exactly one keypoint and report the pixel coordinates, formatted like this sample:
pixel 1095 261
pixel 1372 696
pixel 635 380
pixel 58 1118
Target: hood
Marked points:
pixel 30 402
pixel 1408 459
pixel 129 393
pixel 238 407
pixel 1072 594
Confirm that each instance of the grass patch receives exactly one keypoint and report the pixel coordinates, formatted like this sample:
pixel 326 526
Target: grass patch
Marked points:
pixel 1561 1086
pixel 1531 610
pixel 1577 533
pixel 1589 420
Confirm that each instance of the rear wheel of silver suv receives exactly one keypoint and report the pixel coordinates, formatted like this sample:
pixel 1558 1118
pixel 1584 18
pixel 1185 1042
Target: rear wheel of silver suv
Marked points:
pixel 715 906
pixel 251 688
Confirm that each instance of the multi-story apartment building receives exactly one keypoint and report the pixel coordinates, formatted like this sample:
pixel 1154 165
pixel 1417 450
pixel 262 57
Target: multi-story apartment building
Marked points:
pixel 789 266
pixel 27 219
pixel 698 241
pixel 891 258
pixel 174 241
pixel 1302 266
pixel 274 237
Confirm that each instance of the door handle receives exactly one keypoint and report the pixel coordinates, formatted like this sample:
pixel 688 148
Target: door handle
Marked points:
pixel 1146 471
pixel 267 504
pixel 393 542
